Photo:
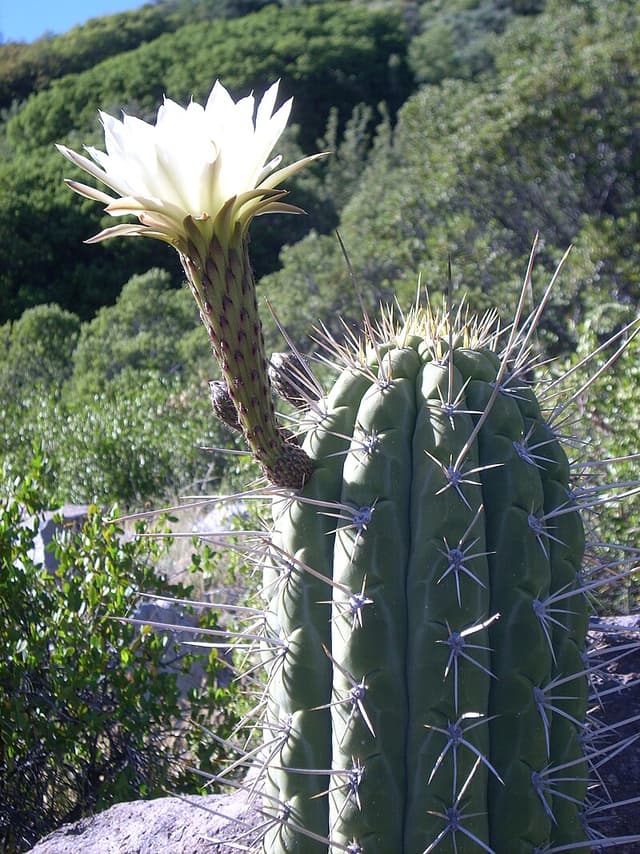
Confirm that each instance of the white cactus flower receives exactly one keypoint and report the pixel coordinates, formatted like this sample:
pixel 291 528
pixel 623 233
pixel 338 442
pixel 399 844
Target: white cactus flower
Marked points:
pixel 204 166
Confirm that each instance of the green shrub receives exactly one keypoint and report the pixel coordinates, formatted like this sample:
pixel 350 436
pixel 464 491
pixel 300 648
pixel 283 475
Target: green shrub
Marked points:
pixel 89 715
pixel 37 348
pixel 454 43
pixel 602 414
pixel 139 438
pixel 143 331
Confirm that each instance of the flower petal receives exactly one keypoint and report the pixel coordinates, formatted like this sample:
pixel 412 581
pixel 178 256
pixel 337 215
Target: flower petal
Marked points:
pixel 88 166
pixel 89 192
pixel 122 230
pixel 287 171
pixel 211 166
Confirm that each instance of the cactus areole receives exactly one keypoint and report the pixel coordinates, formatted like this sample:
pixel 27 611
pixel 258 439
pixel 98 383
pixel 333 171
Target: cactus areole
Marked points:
pixel 428 689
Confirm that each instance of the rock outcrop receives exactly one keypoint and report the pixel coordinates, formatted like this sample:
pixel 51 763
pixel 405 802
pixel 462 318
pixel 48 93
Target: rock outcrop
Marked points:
pixel 190 825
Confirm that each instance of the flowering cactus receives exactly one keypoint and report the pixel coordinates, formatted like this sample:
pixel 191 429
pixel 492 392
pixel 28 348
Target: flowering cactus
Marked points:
pixel 426 615
pixel 195 180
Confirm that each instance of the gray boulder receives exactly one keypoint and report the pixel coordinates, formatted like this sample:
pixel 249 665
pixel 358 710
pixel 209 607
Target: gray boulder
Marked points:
pixel 72 517
pixel 189 825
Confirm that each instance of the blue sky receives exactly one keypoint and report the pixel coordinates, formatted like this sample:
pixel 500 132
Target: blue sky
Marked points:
pixel 25 20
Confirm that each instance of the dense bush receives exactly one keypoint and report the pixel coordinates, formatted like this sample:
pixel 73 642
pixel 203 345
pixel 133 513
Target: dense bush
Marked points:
pixel 455 39
pixel 139 438
pixel 152 327
pixel 28 67
pixel 119 406
pixel 609 423
pixel 37 348
pixel 90 713
pixel 327 54
pixel 43 256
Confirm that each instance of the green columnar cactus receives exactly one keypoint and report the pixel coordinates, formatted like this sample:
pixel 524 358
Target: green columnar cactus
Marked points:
pixel 453 686
pixel 426 614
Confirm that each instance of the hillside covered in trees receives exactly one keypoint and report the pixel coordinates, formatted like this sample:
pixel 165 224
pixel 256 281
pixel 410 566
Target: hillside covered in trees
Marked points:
pixel 458 130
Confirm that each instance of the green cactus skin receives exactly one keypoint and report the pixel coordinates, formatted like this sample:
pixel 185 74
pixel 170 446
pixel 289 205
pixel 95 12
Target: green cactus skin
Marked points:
pixel 433 672
pixel 301 612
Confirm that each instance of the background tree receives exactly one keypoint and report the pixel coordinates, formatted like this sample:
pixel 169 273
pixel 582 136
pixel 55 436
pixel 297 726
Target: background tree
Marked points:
pixel 38 349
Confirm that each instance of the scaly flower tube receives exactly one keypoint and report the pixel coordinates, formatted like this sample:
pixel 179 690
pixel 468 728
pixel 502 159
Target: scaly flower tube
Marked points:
pixel 195 180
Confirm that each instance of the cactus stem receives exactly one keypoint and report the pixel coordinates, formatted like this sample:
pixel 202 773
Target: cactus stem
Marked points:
pixel 545 784
pixel 285 818
pixel 564 680
pixel 546 708
pixel 545 618
pixel 526 451
pixel 365 441
pixel 507 388
pixel 353 777
pixel 357 518
pixel 470 527
pixel 537 524
pixel 353 606
pixel 456 477
pixel 357 603
pixel 549 771
pixel 452 407
pixel 356 699
pixel 544 790
pixel 304 567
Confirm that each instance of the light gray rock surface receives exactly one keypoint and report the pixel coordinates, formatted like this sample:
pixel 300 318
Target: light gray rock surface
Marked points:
pixel 190 825
pixel 72 517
